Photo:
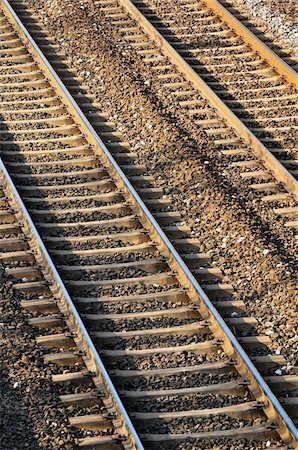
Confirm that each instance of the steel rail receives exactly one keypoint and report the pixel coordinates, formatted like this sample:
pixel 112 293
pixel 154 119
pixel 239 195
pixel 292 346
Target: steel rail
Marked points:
pixel 230 344
pixel 266 157
pixel 255 43
pixel 69 305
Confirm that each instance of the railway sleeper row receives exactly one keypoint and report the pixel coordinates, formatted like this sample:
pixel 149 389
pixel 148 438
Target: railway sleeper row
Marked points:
pixel 79 384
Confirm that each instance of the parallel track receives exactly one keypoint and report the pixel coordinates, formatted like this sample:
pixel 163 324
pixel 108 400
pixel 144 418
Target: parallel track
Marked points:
pixel 115 259
pixel 252 89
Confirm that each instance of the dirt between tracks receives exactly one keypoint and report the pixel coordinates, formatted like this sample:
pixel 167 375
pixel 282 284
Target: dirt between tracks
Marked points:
pixel 243 235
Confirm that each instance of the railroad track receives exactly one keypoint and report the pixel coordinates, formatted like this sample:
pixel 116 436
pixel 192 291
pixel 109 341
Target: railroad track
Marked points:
pixel 87 386
pixel 252 90
pixel 154 325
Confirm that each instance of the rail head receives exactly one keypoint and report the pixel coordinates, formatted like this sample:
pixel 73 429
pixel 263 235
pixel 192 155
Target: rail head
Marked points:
pixel 265 156
pixel 230 344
